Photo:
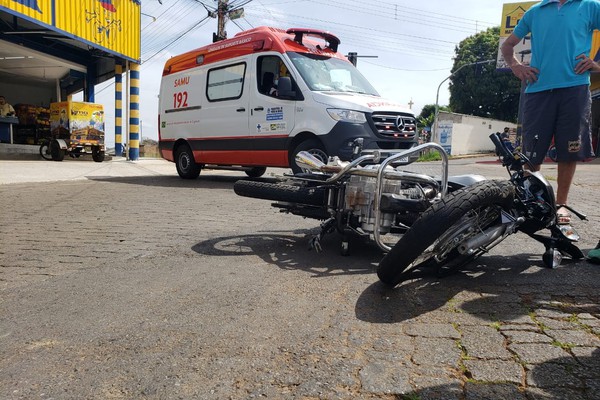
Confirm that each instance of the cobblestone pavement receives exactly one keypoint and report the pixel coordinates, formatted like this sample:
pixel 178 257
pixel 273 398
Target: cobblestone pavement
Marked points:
pixel 125 282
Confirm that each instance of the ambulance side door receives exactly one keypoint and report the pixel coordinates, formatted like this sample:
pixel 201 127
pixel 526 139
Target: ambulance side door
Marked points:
pixel 271 119
pixel 225 115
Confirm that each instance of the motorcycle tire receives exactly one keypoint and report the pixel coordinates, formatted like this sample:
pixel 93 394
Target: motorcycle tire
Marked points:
pixel 314 196
pixel 436 231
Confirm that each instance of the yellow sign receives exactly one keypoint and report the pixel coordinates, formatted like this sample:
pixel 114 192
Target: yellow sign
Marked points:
pixel 112 25
pixel 512 14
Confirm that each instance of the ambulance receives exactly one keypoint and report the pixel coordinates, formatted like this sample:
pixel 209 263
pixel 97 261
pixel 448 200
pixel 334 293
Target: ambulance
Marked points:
pixel 256 100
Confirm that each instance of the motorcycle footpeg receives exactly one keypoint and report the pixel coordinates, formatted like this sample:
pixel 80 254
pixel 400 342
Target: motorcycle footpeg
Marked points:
pixel 315 244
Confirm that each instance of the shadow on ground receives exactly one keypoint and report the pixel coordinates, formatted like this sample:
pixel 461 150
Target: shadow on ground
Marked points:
pixel 290 250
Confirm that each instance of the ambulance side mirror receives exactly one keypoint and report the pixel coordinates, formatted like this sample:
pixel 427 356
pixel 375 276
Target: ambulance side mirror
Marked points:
pixel 284 88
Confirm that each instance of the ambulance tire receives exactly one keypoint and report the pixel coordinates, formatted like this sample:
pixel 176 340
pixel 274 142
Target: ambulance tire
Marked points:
pixel 314 147
pixel 256 172
pixel 187 168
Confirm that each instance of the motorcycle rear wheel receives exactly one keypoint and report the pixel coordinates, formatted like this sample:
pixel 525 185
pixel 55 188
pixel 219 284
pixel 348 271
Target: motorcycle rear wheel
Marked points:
pixel 314 196
pixel 433 240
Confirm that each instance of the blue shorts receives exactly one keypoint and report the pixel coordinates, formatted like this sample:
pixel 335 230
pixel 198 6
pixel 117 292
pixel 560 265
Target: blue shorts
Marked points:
pixel 560 114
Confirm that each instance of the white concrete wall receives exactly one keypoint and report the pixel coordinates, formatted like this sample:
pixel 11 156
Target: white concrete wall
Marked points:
pixel 470 135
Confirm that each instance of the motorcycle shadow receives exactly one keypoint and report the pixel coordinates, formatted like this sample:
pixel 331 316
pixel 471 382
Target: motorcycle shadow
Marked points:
pixel 289 250
pixel 496 288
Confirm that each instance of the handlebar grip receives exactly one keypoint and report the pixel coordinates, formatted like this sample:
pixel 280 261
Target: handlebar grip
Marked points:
pixel 500 146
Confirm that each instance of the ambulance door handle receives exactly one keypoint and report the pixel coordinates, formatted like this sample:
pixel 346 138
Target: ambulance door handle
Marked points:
pixel 258 108
pixel 242 109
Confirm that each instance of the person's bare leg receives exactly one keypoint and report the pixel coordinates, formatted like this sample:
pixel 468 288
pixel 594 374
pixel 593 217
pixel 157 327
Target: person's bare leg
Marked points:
pixel 565 173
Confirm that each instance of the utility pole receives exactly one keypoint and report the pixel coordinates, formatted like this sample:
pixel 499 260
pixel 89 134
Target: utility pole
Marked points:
pixel 226 11
pixel 353 57
pixel 221 20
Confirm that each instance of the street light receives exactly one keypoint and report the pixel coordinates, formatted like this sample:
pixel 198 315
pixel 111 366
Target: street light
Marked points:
pixel 434 137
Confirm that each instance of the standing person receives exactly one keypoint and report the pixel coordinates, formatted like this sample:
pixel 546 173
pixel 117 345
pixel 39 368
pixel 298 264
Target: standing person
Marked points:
pixel 557 100
pixel 6 109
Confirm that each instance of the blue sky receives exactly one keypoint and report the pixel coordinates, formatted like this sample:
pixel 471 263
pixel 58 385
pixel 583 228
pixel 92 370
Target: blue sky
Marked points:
pixel 412 43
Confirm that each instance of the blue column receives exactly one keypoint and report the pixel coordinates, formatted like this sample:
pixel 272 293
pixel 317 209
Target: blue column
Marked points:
pixel 134 112
pixel 118 110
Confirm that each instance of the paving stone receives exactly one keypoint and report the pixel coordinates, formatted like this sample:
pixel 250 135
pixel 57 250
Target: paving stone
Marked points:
pixel 518 319
pixel 576 337
pixel 550 375
pixel 432 330
pixel 536 353
pixel 526 337
pixel 451 391
pixel 531 326
pixel 402 344
pixel 591 322
pixel 384 377
pixel 439 387
pixel 551 323
pixel 484 342
pixel 552 313
pixel 592 387
pixel 437 352
pixel 492 391
pixel 588 359
pixel 494 370
pixel 556 394
pixel 587 316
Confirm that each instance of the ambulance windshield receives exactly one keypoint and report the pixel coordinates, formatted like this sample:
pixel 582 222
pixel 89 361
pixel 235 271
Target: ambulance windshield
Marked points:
pixel 328 74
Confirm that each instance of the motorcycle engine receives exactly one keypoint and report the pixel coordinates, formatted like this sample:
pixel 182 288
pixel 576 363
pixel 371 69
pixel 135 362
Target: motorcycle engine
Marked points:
pixel 360 195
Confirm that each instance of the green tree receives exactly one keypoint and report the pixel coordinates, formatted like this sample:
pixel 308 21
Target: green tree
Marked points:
pixel 481 90
pixel 427 115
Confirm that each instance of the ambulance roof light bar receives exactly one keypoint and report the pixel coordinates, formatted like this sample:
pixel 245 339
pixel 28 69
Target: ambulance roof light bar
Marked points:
pixel 332 40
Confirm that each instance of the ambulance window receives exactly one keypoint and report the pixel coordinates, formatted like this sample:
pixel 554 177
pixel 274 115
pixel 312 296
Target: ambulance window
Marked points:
pixel 268 70
pixel 226 83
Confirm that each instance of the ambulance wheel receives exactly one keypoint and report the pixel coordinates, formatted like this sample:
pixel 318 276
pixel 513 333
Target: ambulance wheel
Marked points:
pixel 56 152
pixel 256 172
pixel 186 165
pixel 314 147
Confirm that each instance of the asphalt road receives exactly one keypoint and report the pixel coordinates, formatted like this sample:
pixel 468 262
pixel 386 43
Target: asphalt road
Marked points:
pixel 121 281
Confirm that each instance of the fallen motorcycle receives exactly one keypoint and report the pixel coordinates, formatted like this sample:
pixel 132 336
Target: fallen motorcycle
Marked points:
pixel 366 197
pixel 474 219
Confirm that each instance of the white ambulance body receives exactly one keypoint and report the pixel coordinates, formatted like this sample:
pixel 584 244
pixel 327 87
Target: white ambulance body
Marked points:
pixel 257 99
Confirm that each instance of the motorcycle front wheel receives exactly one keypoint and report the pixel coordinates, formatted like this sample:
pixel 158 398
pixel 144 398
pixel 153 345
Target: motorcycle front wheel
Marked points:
pixel 434 238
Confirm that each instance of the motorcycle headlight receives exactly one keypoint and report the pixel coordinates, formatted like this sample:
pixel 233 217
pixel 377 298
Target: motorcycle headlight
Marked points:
pixel 347 115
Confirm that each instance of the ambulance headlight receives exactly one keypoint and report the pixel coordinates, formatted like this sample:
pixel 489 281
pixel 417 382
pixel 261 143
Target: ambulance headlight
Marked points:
pixel 338 114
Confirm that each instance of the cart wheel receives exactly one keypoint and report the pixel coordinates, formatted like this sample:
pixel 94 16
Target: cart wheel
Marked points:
pixel 97 155
pixel 56 152
pixel 45 151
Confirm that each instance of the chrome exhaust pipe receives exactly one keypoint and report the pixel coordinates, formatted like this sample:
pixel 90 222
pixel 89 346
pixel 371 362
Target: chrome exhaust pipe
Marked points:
pixel 483 239
pixel 307 161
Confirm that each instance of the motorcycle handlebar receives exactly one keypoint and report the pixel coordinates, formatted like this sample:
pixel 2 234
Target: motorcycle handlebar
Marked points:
pixel 500 146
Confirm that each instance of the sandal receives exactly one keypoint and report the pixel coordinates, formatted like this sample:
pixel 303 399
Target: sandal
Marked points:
pixel 563 216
